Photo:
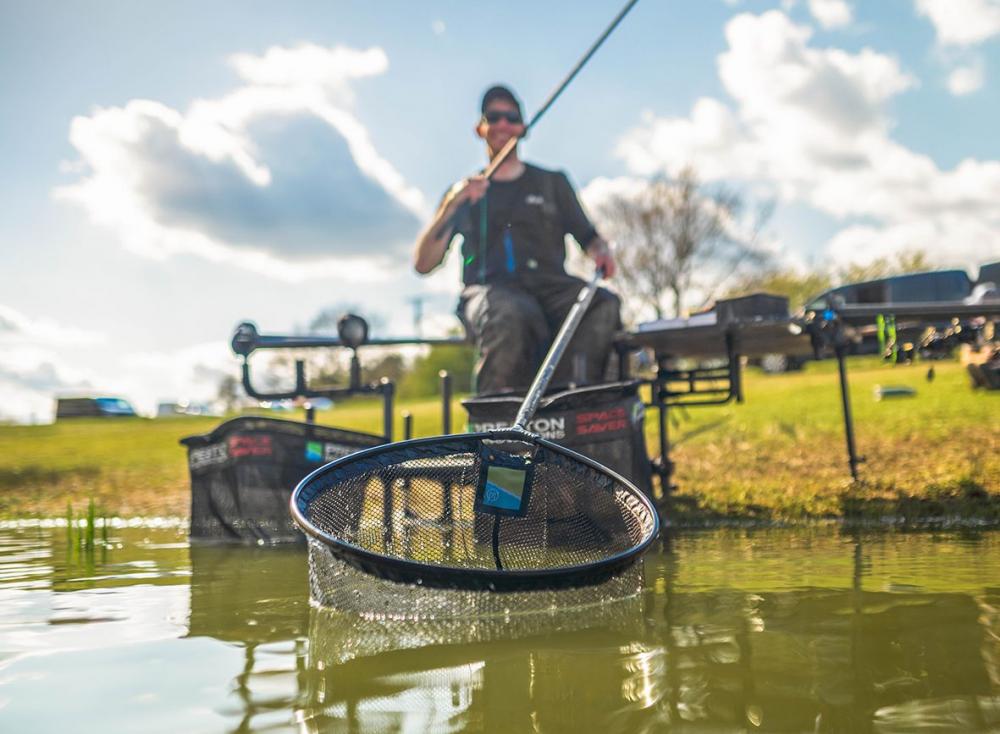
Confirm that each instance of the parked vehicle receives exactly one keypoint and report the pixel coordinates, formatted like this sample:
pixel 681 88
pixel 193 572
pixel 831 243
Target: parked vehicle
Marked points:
pixel 93 407
pixel 941 285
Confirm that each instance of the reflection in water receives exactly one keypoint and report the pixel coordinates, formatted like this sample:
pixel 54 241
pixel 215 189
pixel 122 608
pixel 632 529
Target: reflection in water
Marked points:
pixel 780 631
pixel 257 597
pixel 819 658
pixel 546 682
pixel 512 667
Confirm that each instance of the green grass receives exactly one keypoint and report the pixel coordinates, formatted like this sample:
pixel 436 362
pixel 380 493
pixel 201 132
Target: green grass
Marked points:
pixel 135 466
pixel 779 456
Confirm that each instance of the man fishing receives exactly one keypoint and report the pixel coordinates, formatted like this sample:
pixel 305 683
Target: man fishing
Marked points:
pixel 516 290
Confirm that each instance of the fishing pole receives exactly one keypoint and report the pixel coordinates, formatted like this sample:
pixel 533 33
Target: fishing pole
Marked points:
pixel 509 146
pixel 512 143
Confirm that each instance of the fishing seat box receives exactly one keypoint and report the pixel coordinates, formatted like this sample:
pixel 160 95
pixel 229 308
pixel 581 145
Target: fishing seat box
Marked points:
pixel 603 422
pixel 244 471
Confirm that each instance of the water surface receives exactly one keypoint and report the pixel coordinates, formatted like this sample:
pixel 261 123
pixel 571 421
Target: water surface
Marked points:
pixel 815 630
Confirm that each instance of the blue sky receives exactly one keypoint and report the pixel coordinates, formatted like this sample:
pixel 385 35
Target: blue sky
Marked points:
pixel 173 169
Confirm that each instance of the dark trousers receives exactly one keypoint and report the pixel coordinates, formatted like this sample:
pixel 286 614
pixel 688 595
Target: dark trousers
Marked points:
pixel 514 324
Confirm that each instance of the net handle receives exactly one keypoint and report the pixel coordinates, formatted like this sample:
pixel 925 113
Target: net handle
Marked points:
pixel 566 331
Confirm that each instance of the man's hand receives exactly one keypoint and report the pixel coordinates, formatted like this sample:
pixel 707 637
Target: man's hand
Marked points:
pixel 433 241
pixel 600 253
pixel 468 190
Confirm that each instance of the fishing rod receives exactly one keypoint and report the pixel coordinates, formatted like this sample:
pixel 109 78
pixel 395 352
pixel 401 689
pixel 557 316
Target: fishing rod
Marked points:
pixel 512 143
pixel 509 146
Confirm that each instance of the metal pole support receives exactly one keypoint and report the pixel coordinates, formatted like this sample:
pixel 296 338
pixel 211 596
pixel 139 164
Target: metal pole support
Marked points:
pixel 845 398
pixel 735 368
pixel 300 377
pixel 407 425
pixel 445 402
pixel 355 380
pixel 665 467
pixel 388 390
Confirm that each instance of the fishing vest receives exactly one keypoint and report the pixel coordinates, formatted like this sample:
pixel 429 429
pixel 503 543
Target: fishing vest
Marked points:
pixel 517 227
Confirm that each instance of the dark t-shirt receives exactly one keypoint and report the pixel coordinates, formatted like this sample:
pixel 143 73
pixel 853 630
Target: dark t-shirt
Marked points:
pixel 526 221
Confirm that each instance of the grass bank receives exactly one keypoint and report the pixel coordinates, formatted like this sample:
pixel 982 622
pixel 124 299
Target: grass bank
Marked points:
pixel 782 455
pixel 779 456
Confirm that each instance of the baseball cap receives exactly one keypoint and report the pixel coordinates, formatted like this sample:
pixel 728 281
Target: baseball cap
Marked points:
pixel 498 91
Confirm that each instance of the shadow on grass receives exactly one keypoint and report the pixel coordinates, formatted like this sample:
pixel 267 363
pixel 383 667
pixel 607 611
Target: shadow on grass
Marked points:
pixel 685 510
pixel 34 476
pixel 966 498
pixel 695 432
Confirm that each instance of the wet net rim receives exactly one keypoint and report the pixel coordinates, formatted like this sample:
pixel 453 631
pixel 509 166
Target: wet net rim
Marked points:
pixel 415 572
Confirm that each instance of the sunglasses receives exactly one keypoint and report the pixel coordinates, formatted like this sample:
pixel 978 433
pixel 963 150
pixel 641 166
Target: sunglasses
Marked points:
pixel 494 116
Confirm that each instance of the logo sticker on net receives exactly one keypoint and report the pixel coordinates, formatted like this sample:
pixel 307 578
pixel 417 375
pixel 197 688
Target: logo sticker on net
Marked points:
pixel 504 488
pixel 325 452
pixel 216 453
pixel 249 445
pixel 504 484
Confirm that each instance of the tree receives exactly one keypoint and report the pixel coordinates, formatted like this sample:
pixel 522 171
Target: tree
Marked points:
pixel 672 238
pixel 229 392
pixel 796 286
pixel 391 365
pixel 910 261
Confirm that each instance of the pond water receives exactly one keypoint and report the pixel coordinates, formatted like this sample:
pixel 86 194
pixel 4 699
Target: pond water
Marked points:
pixel 804 630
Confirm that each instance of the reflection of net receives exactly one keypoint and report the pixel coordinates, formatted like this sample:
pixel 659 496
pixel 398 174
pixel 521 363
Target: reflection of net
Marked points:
pixel 416 504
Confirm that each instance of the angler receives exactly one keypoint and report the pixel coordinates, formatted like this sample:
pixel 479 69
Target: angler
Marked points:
pixel 516 290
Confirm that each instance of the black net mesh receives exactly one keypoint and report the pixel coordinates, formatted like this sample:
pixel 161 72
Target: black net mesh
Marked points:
pixel 337 585
pixel 409 512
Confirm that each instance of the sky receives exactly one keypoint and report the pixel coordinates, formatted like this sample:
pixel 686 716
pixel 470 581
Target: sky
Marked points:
pixel 173 169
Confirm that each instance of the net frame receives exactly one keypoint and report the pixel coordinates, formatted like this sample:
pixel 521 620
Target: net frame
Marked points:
pixel 399 569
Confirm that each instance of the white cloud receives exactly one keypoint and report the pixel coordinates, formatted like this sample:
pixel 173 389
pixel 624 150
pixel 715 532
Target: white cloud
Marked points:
pixel 31 369
pixel 814 124
pixel 277 176
pixel 966 79
pixel 438 27
pixel 962 22
pixel 41 359
pixel 190 373
pixel 18 329
pixel 310 67
pixel 831 13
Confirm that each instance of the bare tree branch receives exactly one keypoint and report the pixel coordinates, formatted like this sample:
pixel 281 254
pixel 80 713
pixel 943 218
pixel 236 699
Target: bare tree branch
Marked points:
pixel 673 238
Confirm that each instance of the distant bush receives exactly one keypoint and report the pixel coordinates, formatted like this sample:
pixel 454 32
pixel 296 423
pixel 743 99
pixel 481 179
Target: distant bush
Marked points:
pixel 423 379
